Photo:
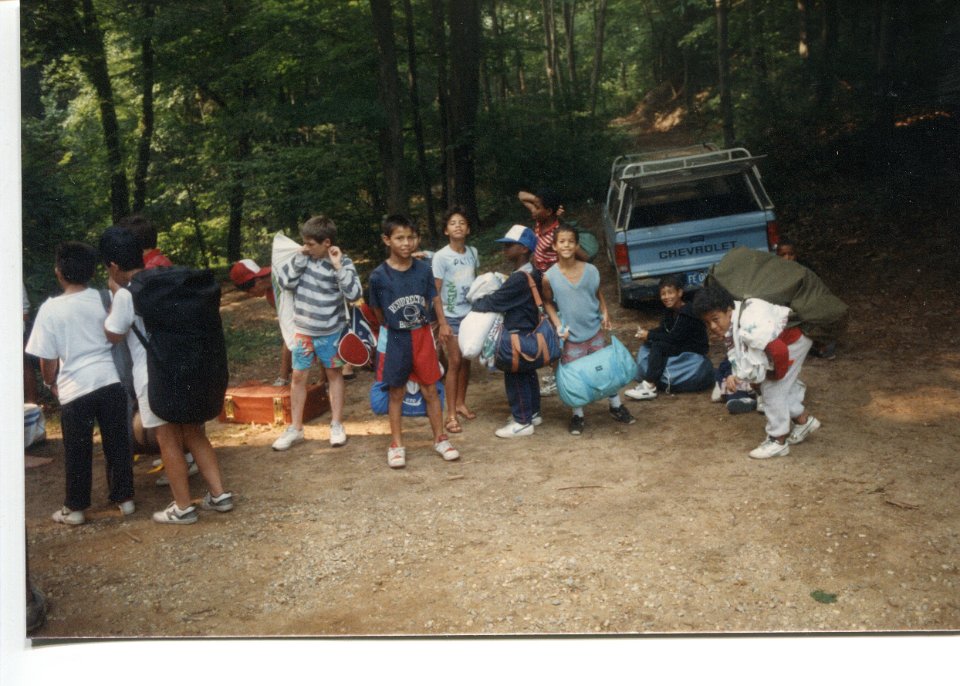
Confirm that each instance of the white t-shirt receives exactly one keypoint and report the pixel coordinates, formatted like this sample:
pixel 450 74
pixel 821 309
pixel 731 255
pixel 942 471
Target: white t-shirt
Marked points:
pixel 456 272
pixel 121 317
pixel 69 328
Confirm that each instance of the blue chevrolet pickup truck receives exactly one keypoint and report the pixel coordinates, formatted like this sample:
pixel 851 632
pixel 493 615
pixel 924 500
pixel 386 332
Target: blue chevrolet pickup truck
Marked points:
pixel 679 211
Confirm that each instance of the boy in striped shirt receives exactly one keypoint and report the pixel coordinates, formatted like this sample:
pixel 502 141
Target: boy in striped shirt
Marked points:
pixel 321 278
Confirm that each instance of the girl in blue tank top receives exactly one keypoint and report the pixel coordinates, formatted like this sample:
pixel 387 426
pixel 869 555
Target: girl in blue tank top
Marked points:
pixel 572 298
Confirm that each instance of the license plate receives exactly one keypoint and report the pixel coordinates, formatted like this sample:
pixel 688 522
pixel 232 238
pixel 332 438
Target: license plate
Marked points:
pixel 696 278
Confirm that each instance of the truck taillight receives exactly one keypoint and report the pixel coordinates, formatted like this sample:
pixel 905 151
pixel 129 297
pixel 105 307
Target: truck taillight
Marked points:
pixel 621 259
pixel 773 235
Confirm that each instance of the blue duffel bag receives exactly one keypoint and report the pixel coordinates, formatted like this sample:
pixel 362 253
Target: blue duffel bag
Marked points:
pixel 413 403
pixel 597 375
pixel 685 373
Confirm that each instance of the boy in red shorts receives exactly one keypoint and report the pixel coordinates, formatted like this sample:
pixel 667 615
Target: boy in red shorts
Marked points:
pixel 403 294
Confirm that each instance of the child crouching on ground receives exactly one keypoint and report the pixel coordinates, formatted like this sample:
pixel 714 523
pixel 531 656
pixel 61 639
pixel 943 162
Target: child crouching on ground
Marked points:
pixel 402 294
pixel 572 298
pixel 679 332
pixel 772 358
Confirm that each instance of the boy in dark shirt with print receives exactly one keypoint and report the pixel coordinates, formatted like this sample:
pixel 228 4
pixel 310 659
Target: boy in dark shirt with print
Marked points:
pixel 679 331
pixel 402 294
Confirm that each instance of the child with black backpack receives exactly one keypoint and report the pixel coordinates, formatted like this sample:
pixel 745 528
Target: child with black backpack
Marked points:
pixel 123 258
pixel 68 333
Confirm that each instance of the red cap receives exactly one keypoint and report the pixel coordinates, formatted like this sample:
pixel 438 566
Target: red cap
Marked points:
pixel 245 271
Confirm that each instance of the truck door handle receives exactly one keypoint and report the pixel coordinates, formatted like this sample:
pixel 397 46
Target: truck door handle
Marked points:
pixel 696 239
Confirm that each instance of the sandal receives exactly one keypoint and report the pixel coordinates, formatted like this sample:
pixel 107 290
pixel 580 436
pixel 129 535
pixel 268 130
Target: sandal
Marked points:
pixel 396 456
pixel 467 415
pixel 453 425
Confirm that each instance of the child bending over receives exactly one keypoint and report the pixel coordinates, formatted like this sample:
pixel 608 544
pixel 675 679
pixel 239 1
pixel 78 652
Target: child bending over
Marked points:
pixel 762 349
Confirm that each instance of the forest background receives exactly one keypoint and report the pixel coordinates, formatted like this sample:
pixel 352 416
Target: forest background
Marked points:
pixel 227 121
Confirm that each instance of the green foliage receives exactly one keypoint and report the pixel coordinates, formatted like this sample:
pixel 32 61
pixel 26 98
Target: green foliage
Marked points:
pixel 275 102
pixel 523 147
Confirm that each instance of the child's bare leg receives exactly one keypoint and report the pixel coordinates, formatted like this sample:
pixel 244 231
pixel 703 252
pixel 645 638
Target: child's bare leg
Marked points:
pixel 335 390
pixel 395 413
pixel 170 440
pixel 196 441
pixel 286 361
pixel 463 380
pixel 453 376
pixel 434 411
pixel 298 397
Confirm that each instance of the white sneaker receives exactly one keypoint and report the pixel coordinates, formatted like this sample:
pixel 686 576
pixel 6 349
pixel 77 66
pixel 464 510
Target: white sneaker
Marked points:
pixel 717 394
pixel 288 438
pixel 192 469
pixel 800 432
pixel 396 457
pixel 67 516
pixel 642 391
pixel 445 450
pixel 338 436
pixel 536 419
pixel 770 448
pixel 548 385
pixel 514 430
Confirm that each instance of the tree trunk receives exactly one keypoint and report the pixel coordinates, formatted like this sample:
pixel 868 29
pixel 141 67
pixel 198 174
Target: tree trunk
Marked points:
pixel 391 134
pixel 569 8
pixel 518 60
pixel 723 62
pixel 600 18
pixel 464 93
pixel 443 99
pixel 146 117
pixel 803 30
pixel 500 56
pixel 549 58
pixel 417 121
pixel 94 65
pixel 758 55
pixel 237 196
pixel 829 37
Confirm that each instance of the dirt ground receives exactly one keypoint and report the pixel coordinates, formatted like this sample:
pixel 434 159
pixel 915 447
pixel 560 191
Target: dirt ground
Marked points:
pixel 664 526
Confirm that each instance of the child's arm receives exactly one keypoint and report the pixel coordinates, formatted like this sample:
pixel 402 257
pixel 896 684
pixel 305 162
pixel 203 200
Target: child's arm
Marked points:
pixel 445 331
pixel 528 199
pixel 379 313
pixel 604 314
pixel 550 306
pixel 48 372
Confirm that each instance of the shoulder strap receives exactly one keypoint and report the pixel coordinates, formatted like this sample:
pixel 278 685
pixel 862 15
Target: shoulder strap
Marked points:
pixel 534 290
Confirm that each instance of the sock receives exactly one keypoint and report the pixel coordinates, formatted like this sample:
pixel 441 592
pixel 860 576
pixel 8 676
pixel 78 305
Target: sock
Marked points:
pixel 615 401
pixel 578 412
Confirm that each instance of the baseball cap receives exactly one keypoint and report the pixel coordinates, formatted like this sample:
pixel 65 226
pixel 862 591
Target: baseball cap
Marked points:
pixel 245 271
pixel 522 235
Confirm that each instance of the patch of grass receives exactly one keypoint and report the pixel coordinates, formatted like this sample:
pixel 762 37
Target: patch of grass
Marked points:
pixel 248 339
pixel 823 596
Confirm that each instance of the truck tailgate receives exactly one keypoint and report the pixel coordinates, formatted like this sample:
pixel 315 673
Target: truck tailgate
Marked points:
pixel 687 246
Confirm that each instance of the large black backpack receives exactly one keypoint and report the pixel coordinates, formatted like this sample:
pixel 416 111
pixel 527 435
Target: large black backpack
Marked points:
pixel 186 351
